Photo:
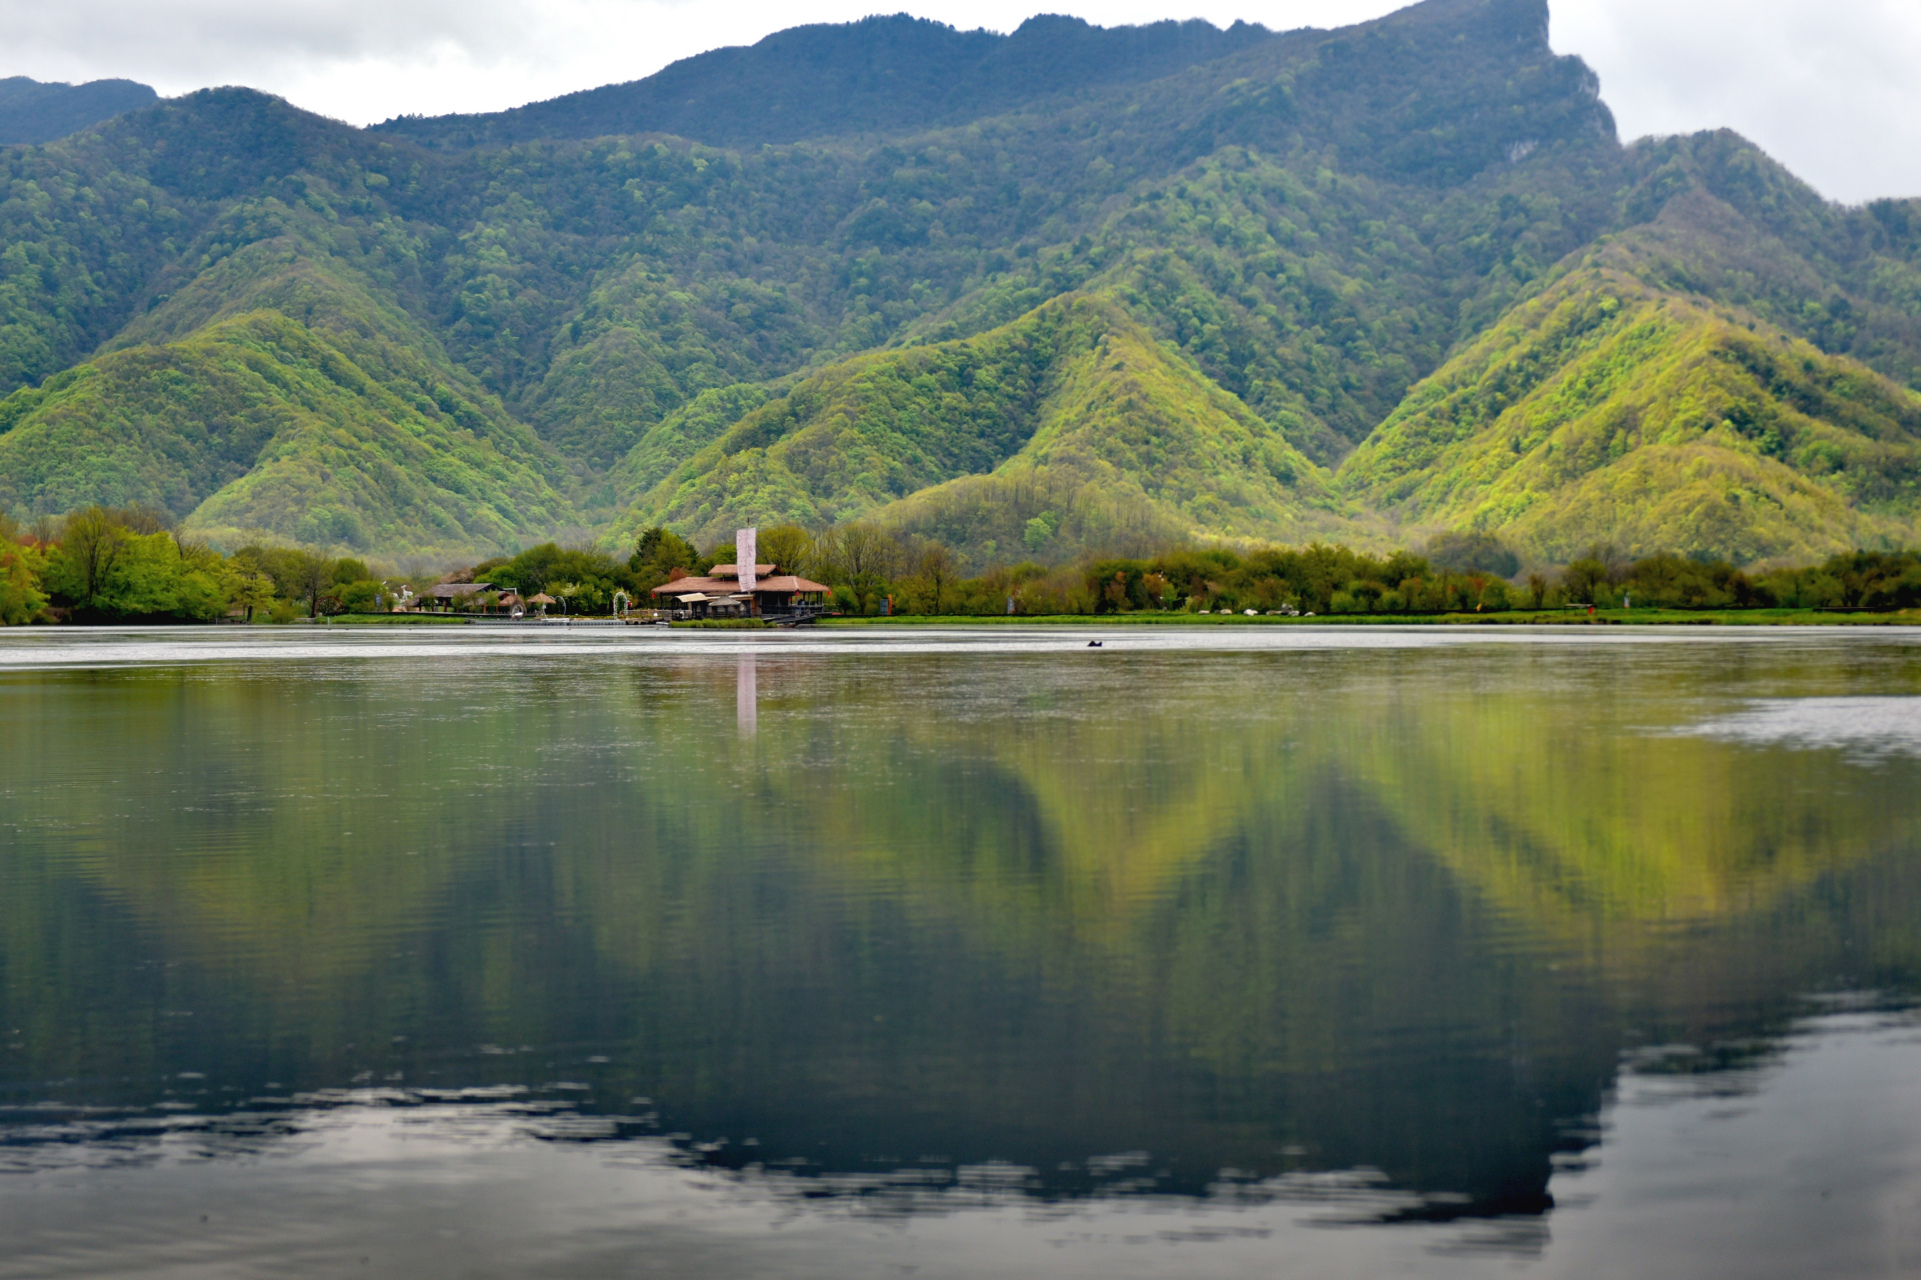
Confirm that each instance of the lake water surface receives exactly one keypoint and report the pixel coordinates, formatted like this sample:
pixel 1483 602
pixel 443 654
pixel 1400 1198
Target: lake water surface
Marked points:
pixel 1242 952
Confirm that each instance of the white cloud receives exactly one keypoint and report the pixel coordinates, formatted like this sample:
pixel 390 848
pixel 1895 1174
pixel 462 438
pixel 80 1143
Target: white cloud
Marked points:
pixel 1830 89
pixel 1826 87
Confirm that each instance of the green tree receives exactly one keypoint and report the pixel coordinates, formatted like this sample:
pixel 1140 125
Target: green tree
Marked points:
pixel 862 557
pixel 311 575
pixel 789 546
pixel 253 592
pixel 938 569
pixel 657 554
pixel 22 598
pixel 1585 581
pixel 144 576
pixel 91 543
pixel 363 596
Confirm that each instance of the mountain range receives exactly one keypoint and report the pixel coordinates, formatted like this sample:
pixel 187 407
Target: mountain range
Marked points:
pixel 1033 294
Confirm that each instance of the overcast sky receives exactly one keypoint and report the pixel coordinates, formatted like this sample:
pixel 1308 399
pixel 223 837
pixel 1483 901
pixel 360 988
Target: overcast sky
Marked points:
pixel 1830 87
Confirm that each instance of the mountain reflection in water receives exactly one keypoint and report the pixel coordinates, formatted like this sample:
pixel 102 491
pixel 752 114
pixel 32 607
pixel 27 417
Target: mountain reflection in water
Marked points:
pixel 1388 927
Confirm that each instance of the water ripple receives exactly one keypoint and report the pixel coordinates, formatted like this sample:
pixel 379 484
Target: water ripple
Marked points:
pixel 1863 727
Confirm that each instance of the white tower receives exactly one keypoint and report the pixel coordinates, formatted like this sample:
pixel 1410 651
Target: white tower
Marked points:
pixel 746 554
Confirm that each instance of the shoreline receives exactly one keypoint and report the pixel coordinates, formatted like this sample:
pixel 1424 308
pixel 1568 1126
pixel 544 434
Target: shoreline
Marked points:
pixel 1542 618
pixel 1519 618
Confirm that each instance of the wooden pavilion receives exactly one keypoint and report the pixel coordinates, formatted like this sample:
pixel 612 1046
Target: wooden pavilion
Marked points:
pixel 718 594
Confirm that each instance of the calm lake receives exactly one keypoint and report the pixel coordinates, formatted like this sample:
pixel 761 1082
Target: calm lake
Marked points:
pixel 1242 952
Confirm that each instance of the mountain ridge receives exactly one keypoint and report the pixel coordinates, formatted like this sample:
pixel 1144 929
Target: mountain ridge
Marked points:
pixel 886 74
pixel 34 111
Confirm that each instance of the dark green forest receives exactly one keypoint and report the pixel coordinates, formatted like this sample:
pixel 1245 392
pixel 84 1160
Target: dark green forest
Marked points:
pixel 1368 286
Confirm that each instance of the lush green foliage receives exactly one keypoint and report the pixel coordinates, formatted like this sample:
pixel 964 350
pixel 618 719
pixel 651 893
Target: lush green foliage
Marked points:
pixel 587 580
pixel 661 553
pixel 1871 580
pixel 127 564
pixel 1458 575
pixel 111 565
pixel 1073 401
pixel 344 427
pixel 23 565
pixel 116 566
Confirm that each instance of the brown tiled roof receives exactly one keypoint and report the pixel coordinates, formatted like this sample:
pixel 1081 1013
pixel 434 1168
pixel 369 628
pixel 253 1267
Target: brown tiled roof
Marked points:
pixel 451 590
pixel 733 570
pixel 681 586
pixel 786 584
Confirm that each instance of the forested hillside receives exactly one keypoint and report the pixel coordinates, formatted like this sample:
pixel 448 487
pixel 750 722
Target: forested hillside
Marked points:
pixel 1370 284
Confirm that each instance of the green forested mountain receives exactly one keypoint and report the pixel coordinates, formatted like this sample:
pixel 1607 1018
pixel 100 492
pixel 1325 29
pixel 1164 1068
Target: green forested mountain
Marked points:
pixel 1370 284
pixel 1605 410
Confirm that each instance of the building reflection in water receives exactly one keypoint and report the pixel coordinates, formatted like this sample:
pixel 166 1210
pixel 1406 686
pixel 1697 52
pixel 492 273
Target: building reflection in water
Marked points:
pixel 746 695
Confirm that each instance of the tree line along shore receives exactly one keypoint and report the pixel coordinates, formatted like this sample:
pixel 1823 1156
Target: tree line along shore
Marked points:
pixel 129 565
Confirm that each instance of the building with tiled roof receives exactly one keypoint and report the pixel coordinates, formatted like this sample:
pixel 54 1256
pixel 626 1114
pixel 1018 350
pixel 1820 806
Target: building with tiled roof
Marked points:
pixel 718 594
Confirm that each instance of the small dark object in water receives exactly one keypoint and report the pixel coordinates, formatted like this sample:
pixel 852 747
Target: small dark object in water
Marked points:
pixel 1094 644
